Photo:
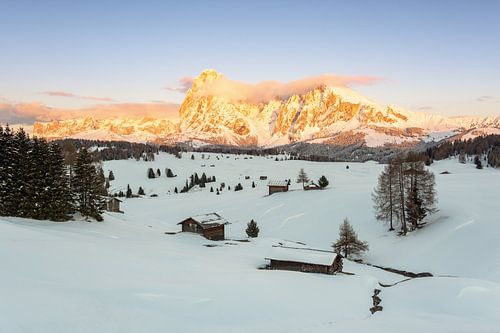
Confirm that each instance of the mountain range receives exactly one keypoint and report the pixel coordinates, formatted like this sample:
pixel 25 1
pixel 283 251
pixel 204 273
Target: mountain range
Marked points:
pixel 324 114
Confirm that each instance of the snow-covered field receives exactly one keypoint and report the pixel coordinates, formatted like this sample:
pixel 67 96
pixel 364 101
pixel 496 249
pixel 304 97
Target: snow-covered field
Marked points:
pixel 127 275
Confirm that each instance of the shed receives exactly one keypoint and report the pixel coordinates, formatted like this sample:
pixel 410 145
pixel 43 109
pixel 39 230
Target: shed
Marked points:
pixel 277 186
pixel 303 260
pixel 210 226
pixel 113 205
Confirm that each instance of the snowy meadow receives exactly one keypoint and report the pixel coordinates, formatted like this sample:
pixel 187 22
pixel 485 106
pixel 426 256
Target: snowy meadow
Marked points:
pixel 134 272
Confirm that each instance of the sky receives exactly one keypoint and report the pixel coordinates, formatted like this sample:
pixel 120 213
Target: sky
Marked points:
pixel 435 56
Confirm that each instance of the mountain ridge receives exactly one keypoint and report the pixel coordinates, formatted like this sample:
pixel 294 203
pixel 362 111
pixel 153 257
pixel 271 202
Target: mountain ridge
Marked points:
pixel 324 114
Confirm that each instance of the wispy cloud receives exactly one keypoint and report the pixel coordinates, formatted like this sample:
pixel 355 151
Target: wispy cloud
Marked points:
pixel 184 84
pixel 27 113
pixel 71 95
pixel 484 98
pixel 265 91
pixel 425 108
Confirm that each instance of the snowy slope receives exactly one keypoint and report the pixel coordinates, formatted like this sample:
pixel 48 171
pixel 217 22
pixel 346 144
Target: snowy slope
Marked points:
pixel 127 275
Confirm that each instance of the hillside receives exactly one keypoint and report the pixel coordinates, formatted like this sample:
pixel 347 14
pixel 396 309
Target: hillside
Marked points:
pixel 127 275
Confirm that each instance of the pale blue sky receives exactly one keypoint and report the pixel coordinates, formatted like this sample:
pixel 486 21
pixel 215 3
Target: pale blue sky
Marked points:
pixel 441 56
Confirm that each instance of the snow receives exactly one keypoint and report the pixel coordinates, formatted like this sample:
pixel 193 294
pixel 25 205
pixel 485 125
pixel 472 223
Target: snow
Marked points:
pixel 302 255
pixel 126 275
pixel 209 219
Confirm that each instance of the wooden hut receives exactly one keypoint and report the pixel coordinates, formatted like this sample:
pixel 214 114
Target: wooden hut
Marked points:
pixel 113 205
pixel 277 186
pixel 305 261
pixel 210 226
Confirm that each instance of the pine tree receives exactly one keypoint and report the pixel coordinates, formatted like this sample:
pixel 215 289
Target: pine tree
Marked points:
pixel 169 173
pixel 87 187
pixel 192 156
pixel 252 229
pixel 253 184
pixel 176 191
pixel 111 176
pixel 348 242
pixel 129 191
pixel 302 177
pixel 323 182
pixel 238 187
pixel 151 173
pixel 158 172
pixel 60 206
pixel 477 162
pixel 211 189
pixel 141 191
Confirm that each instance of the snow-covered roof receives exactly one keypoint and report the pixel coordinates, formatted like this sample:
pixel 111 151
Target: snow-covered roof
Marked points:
pixel 301 255
pixel 277 183
pixel 208 220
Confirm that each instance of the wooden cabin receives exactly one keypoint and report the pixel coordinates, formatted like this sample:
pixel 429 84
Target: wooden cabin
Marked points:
pixel 277 186
pixel 307 261
pixel 210 226
pixel 113 205
pixel 263 177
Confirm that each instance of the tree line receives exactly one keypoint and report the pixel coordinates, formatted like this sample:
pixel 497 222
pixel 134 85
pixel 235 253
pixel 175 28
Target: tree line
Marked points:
pixel 35 181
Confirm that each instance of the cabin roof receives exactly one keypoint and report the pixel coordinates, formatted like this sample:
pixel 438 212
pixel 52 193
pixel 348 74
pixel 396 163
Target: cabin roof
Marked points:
pixel 207 220
pixel 301 255
pixel 277 183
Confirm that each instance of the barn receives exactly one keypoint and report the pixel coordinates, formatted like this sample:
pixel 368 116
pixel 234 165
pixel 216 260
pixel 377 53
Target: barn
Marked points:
pixel 303 260
pixel 210 226
pixel 276 186
pixel 112 205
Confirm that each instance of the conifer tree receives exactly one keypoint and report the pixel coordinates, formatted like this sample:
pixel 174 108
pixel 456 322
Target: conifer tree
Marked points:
pixel 111 176
pixel 158 172
pixel 140 191
pixel 60 206
pixel 252 229
pixel 87 187
pixel 129 191
pixel 253 184
pixel 323 182
pixel 176 191
pixel 348 242
pixel 151 173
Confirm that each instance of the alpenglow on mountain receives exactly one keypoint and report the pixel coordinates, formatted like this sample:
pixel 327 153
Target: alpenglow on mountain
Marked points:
pixel 325 114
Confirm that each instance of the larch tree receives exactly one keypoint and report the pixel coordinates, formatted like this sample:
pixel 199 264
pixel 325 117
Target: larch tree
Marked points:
pixel 302 177
pixel 348 242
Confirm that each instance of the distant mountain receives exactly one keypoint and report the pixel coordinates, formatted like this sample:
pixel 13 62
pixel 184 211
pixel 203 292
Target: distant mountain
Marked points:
pixel 331 115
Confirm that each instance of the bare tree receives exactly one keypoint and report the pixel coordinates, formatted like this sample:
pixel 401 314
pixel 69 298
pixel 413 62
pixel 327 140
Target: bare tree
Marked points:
pixel 348 242
pixel 302 177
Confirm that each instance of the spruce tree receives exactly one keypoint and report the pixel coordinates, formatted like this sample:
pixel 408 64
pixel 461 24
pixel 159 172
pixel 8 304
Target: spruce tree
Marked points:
pixel 111 176
pixel 323 182
pixel 129 191
pixel 252 229
pixel 151 173
pixel 348 242
pixel 61 204
pixel 87 187
pixel 140 191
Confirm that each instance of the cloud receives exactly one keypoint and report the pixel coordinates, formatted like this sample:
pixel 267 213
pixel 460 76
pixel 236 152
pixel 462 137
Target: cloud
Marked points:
pixel 425 108
pixel 267 90
pixel 184 85
pixel 27 113
pixel 71 95
pixel 484 98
